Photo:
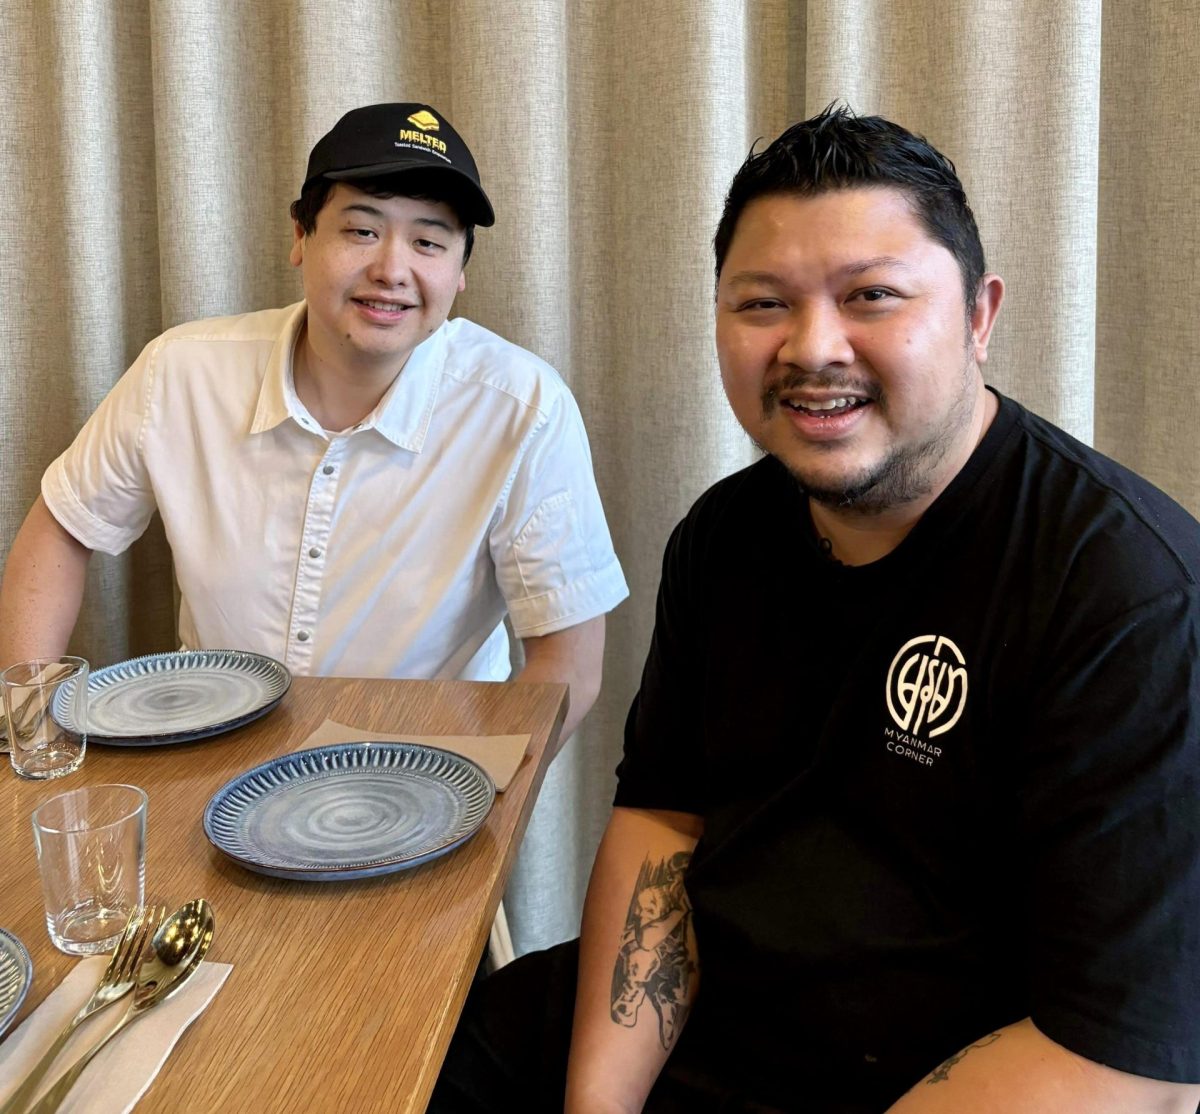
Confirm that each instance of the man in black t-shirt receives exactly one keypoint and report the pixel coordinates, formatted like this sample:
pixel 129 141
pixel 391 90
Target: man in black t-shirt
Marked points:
pixel 909 812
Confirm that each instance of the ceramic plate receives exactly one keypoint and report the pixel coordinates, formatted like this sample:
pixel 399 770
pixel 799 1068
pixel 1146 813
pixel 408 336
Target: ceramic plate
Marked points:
pixel 177 697
pixel 349 810
pixel 16 973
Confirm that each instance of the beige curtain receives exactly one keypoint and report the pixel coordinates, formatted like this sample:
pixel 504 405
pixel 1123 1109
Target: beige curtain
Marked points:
pixel 151 148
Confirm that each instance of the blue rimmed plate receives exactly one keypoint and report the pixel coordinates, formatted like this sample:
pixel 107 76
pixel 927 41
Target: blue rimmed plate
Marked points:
pixel 177 697
pixel 349 810
pixel 16 973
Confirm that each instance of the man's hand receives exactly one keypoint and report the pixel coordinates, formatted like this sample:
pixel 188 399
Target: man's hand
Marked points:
pixel 42 588
pixel 1019 1068
pixel 575 657
pixel 638 962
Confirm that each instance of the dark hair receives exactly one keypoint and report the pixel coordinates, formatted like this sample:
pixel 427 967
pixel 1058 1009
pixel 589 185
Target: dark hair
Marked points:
pixel 416 184
pixel 839 150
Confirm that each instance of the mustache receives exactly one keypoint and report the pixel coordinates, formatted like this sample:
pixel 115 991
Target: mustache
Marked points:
pixel 819 381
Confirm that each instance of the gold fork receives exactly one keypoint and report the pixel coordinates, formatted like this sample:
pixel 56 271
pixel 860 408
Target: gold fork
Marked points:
pixel 117 981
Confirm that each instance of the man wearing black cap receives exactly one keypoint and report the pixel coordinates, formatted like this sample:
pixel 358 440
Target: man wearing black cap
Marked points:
pixel 354 484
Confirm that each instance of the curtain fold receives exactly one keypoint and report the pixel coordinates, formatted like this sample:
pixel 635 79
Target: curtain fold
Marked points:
pixel 151 149
pixel 1148 333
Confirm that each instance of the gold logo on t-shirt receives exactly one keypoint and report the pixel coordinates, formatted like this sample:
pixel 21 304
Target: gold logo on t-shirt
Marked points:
pixel 927 685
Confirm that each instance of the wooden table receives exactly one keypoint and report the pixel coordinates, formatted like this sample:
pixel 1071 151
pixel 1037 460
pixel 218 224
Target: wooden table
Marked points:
pixel 343 995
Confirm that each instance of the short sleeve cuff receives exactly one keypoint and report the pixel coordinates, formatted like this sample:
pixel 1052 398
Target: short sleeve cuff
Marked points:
pixel 584 598
pixel 77 520
pixel 658 798
pixel 1171 1062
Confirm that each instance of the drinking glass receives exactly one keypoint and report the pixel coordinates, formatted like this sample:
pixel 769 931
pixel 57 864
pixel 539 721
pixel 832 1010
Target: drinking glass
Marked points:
pixel 45 712
pixel 91 849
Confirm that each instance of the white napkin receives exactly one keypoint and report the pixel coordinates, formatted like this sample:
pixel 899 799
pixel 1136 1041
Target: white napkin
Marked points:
pixel 121 1072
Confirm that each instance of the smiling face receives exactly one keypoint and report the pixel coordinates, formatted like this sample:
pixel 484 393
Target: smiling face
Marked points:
pixel 845 347
pixel 380 275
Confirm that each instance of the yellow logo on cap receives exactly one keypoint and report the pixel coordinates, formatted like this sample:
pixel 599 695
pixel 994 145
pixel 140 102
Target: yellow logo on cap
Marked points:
pixel 424 120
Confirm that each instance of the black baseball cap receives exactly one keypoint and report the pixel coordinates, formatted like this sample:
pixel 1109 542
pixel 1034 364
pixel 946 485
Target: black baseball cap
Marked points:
pixel 390 138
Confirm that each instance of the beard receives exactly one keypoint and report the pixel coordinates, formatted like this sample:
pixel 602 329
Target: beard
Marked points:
pixel 905 474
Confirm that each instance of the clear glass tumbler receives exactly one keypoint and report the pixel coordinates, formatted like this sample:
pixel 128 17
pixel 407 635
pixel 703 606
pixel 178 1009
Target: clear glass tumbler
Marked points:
pixel 91 848
pixel 45 715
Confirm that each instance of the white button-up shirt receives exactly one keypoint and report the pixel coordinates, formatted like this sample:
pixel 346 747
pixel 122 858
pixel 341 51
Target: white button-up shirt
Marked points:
pixel 391 549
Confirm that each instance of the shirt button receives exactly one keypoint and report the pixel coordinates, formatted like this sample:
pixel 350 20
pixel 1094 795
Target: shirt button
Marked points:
pixel 328 469
pixel 303 636
pixel 314 553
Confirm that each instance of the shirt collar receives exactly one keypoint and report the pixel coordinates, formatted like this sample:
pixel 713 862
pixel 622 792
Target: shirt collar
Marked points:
pixel 276 396
pixel 403 414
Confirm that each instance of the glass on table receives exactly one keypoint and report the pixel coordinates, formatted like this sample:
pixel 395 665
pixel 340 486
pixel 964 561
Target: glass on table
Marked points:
pixel 45 715
pixel 91 850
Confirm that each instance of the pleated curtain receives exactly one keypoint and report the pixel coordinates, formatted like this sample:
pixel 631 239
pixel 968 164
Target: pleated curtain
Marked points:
pixel 150 149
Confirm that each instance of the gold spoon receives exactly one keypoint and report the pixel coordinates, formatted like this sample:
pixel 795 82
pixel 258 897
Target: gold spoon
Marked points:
pixel 179 946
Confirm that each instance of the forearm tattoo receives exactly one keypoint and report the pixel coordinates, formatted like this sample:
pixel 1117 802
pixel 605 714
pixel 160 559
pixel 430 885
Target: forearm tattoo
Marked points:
pixel 657 957
pixel 942 1072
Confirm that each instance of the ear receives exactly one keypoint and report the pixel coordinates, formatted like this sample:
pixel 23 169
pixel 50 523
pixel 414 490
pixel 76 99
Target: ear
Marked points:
pixel 987 309
pixel 462 280
pixel 296 255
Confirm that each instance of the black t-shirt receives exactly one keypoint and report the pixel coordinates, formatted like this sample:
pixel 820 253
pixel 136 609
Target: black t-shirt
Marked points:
pixel 941 792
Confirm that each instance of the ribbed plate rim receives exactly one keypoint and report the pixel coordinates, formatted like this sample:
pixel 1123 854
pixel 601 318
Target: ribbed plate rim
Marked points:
pixel 278 681
pixel 15 952
pixel 341 870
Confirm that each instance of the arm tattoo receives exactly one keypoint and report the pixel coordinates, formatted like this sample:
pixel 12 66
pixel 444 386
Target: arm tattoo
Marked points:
pixel 942 1072
pixel 657 956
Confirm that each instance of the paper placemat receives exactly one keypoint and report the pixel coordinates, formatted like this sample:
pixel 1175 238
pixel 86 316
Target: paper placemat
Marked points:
pixel 500 755
pixel 121 1072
